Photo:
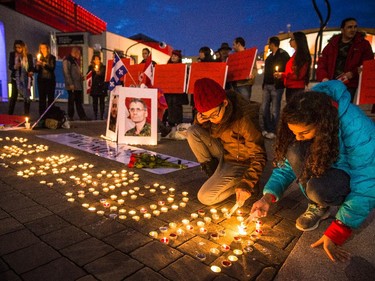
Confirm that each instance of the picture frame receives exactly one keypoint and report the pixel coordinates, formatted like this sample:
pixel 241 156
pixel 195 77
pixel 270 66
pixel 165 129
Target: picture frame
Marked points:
pixel 137 111
pixel 112 119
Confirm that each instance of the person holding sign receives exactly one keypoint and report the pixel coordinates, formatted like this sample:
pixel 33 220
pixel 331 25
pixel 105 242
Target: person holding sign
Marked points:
pixel 297 71
pixel 244 87
pixel 138 114
pixel 226 142
pixel 327 144
pixel 343 56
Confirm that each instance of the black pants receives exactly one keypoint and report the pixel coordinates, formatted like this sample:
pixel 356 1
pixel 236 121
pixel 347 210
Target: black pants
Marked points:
pixel 75 97
pixel 46 89
pixel 98 100
pixel 175 110
pixel 330 189
pixel 13 101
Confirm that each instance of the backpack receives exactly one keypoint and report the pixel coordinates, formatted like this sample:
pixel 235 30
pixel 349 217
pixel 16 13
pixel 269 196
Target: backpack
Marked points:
pixel 54 118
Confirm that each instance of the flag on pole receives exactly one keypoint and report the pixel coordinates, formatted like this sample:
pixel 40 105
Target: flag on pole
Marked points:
pixel 88 82
pixel 148 72
pixel 118 71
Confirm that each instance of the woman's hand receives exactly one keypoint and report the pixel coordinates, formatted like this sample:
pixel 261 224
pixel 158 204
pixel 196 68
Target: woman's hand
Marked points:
pixel 333 251
pixel 261 207
pixel 278 75
pixel 200 119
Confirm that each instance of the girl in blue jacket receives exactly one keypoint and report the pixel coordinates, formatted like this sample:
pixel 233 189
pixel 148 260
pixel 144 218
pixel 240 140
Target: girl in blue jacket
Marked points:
pixel 327 144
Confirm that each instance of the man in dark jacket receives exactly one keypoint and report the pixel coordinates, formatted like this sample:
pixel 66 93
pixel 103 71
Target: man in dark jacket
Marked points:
pixel 273 88
pixel 343 56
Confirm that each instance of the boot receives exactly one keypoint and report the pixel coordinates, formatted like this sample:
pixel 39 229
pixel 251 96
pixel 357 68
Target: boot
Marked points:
pixel 209 167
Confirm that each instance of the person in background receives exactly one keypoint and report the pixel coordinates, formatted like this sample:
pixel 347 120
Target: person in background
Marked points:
pixel 175 101
pixel 99 87
pixel 327 144
pixel 297 71
pixel 343 55
pixel 145 54
pixel 273 88
pixel 45 67
pixel 226 142
pixel 205 55
pixel 22 68
pixel 224 51
pixel 243 87
pixel 138 114
pixel 73 84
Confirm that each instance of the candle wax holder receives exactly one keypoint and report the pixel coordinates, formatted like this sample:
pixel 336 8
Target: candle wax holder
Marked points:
pixel 226 263
pixel 215 269
pixel 164 240
pixel 225 248
pixel 237 252
pixel 232 258
pixel 201 256
pixel 214 236
pixel 173 236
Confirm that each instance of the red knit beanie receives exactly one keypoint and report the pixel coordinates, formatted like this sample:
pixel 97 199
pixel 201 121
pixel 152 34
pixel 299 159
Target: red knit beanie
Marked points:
pixel 208 94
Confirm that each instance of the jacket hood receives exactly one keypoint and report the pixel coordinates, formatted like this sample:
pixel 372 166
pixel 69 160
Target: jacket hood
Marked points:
pixel 337 91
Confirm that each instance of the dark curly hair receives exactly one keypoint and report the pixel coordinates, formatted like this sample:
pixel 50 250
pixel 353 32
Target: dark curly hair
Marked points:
pixel 310 108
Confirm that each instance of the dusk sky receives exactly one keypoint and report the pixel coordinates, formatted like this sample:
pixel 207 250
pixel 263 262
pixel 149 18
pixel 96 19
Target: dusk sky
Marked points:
pixel 189 25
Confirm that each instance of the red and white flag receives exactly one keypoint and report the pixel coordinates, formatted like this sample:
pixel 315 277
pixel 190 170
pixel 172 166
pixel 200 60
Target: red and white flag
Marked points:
pixel 148 72
pixel 89 82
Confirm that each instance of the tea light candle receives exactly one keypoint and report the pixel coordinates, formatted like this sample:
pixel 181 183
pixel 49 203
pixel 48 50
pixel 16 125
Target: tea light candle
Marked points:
pixel 225 248
pixel 143 210
pixel 172 225
pixel 69 194
pixel 156 212
pixel 213 211
pixel 200 223
pixel 207 220
pixel 163 229
pixel 164 209
pixel 133 197
pixel 81 195
pixel 240 219
pixel 147 186
pixel 100 212
pixel 136 218
pixel 173 236
pixel 203 230
pixel 215 216
pixel 215 251
pixel 122 217
pixel 189 227
pixel 156 185
pixel 182 204
pixel 161 203
pixel 124 193
pixel 131 191
pixel 136 188
pixel 237 252
pixel 185 221
pixel 171 190
pixel 185 193
pixel 85 205
pixel 201 256
pixel 132 212
pixel 180 232
pixel 214 236
pixel 194 215
pixel 153 234
pixel 105 189
pixel 164 240
pixel 201 213
pixel 152 190
pixel 174 207
pixel 224 210
pixel 122 211
pixel 106 204
pixel 162 187
pixel 113 197
pixel 120 201
pixel 91 189
pixel 215 269
pixel 103 200
pixel 226 263
pixel 131 181
pixel 222 232
pixel 232 258
pixel 153 206
pixel 95 193
pixel 258 232
pixel 71 199
pixel 92 209
pixel 141 193
pixel 113 208
pixel 237 239
pixel 170 199
pixel 185 199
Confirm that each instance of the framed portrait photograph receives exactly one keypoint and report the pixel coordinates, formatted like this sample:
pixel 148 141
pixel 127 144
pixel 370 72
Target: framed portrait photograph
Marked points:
pixel 137 114
pixel 112 120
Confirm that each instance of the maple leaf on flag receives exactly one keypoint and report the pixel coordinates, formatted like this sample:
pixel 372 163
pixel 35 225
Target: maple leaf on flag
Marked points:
pixel 89 82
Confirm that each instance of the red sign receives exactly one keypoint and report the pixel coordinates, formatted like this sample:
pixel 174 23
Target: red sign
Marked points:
pixel 240 64
pixel 171 78
pixel 217 71
pixel 366 88
pixel 134 75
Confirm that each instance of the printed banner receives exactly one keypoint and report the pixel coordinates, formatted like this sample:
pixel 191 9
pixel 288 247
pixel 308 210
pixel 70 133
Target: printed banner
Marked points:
pixel 113 151
pixel 366 88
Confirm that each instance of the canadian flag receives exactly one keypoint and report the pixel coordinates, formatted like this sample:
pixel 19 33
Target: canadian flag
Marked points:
pixel 148 73
pixel 88 82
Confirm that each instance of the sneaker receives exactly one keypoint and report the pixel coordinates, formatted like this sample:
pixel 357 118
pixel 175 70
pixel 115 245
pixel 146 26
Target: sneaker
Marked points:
pixel 311 218
pixel 270 136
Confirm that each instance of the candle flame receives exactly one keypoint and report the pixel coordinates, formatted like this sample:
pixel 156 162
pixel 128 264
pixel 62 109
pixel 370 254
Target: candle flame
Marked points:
pixel 242 229
pixel 27 119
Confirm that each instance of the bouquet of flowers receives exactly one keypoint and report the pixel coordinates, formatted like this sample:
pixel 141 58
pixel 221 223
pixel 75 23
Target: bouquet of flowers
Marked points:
pixel 147 160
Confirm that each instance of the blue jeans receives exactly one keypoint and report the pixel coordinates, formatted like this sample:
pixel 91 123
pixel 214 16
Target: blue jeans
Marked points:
pixel 222 183
pixel 270 109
